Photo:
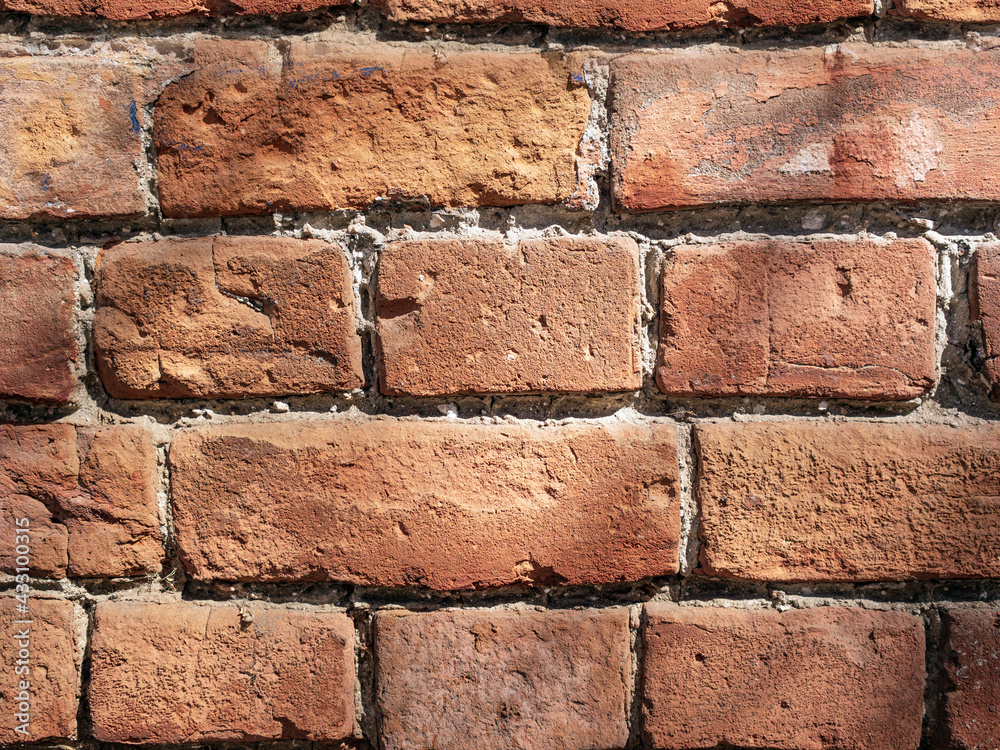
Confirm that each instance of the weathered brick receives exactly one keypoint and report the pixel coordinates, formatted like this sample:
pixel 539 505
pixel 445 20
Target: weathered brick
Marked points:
pixel 797 680
pixel 526 679
pixel 961 11
pixel 984 297
pixel 225 317
pixel 51 665
pixel 633 15
pixel 119 10
pixel 849 501
pixel 972 666
pixel 182 672
pixel 72 144
pixel 849 122
pixel 89 495
pixel 471 316
pixel 343 126
pixel 847 319
pixel 442 505
pixel 37 337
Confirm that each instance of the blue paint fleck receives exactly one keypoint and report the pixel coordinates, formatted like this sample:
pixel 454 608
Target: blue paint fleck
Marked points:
pixel 372 70
pixel 133 113
pixel 47 182
pixel 578 77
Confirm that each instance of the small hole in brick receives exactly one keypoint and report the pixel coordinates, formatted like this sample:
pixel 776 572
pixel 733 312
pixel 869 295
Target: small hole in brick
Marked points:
pixel 699 657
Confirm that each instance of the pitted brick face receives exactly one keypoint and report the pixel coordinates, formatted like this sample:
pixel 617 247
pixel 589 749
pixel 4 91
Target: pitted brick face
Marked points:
pixel 472 316
pixel 955 11
pixel 632 15
pixel 971 656
pixel 847 122
pixel 89 494
pixel 226 317
pixel 436 505
pixel 72 144
pixel 53 669
pixel 984 299
pixel 37 332
pixel 813 679
pixel 341 127
pixel 848 501
pixel 181 673
pixel 120 10
pixel 847 319
pixel 532 680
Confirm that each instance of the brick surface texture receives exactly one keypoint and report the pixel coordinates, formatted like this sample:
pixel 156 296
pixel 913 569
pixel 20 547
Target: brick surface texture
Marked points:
pixel 798 319
pixel 848 502
pixel 500 375
pixel 391 503
pixel 52 671
pixel 37 332
pixel 226 317
pixel 503 675
pixel 842 123
pixel 477 317
pixel 797 680
pixel 338 126
pixel 89 495
pixel 188 673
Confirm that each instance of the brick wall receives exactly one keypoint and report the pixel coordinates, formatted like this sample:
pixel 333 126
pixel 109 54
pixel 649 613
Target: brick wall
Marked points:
pixel 536 375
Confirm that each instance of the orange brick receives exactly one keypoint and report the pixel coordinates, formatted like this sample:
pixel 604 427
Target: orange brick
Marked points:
pixel 225 317
pixel 850 501
pixel 829 318
pixel 984 297
pixel 470 316
pixel 848 122
pixel 440 505
pixel 343 126
pixel 531 680
pixel 72 145
pixel 799 680
pixel 972 665
pixel 633 15
pixel 182 672
pixel 119 10
pixel 957 11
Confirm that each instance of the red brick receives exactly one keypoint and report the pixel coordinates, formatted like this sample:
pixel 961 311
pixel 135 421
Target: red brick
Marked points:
pixel 846 319
pixel 182 672
pixel 119 10
pixel 343 126
pixel 226 317
pixel 972 667
pixel 470 316
pixel 798 680
pixel 849 501
pixel 984 296
pixel 435 504
pixel 495 680
pixel 37 336
pixel 633 15
pixel 71 146
pixel 89 495
pixel 848 122
pixel 52 670
pixel 960 11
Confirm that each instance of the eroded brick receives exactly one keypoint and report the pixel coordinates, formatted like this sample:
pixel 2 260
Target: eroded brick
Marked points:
pixel 470 316
pixel 343 126
pixel 984 298
pixel 37 336
pixel 847 122
pixel 633 15
pixel 119 10
pixel 848 501
pixel 798 680
pixel 956 11
pixel 829 318
pixel 446 506
pixel 225 317
pixel 89 495
pixel 525 679
pixel 182 672
pixel 52 670
pixel 972 666
pixel 72 145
